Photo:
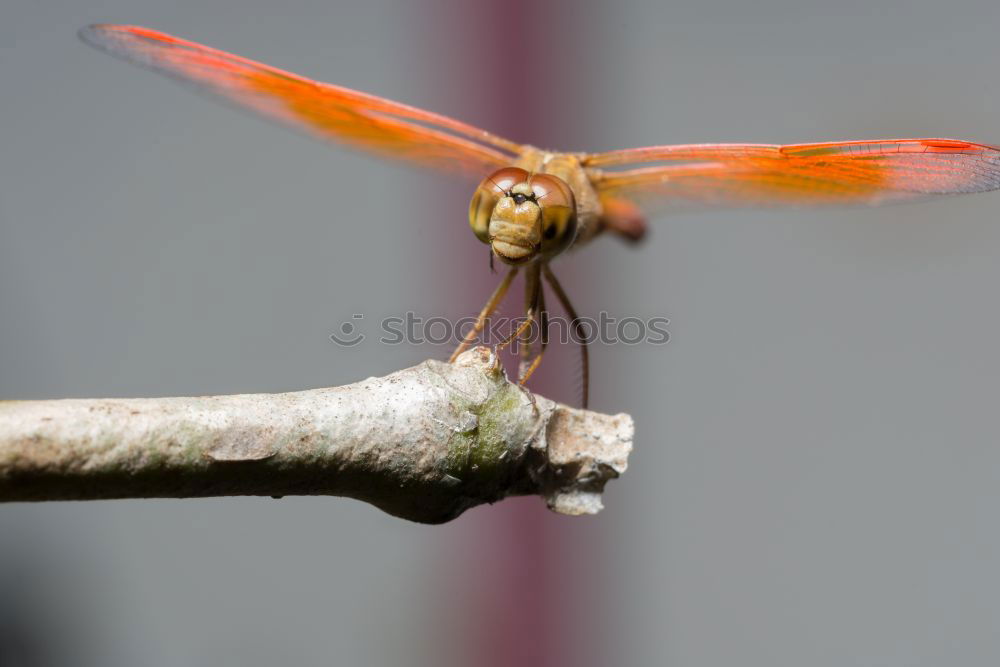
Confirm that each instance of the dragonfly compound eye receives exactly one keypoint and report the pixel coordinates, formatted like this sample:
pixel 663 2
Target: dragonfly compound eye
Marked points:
pixel 558 206
pixel 492 189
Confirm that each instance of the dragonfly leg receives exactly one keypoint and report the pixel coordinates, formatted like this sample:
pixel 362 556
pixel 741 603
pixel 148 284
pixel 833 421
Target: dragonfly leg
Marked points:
pixel 532 293
pixel 521 328
pixel 485 313
pixel 577 326
pixel 543 324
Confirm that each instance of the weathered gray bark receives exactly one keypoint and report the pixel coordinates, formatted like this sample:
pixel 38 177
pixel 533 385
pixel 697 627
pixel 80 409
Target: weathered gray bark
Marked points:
pixel 425 444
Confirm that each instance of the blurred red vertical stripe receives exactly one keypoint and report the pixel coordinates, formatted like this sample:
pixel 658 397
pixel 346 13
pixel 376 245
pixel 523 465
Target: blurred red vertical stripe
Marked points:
pixel 507 567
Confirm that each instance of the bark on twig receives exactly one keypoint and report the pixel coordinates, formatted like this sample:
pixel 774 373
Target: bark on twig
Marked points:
pixel 425 444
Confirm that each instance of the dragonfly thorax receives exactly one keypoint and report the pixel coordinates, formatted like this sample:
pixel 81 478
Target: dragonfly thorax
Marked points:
pixel 523 216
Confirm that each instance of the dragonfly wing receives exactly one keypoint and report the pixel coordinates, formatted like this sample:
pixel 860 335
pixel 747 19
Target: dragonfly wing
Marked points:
pixel 355 119
pixel 764 175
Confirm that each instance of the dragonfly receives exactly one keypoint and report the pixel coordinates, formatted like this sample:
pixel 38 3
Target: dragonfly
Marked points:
pixel 532 205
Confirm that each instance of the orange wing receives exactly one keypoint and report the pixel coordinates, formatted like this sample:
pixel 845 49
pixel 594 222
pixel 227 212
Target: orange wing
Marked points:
pixel 355 119
pixel 852 172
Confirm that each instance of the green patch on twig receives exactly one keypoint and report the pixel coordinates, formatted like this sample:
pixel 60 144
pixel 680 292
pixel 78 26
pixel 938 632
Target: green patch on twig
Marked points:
pixel 479 454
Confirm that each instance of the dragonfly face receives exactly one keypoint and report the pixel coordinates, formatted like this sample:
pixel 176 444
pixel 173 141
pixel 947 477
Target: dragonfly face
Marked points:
pixel 523 216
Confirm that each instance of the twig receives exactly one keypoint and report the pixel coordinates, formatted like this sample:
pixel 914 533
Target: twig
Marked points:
pixel 425 444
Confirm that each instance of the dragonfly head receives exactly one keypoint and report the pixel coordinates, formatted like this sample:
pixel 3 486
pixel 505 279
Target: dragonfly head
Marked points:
pixel 523 216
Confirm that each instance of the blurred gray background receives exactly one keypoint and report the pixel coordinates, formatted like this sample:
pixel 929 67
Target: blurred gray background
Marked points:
pixel 816 476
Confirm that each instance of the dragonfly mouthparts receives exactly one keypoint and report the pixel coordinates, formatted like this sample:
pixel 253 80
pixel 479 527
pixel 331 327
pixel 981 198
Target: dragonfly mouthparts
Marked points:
pixel 512 252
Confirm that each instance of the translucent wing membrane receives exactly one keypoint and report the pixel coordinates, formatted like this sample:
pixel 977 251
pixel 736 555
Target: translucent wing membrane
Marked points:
pixel 351 118
pixel 761 175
